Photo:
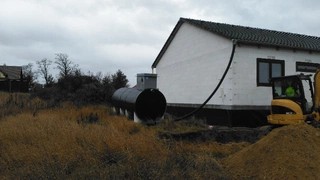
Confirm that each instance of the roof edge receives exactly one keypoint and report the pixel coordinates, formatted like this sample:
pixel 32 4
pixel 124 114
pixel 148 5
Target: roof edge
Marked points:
pixel 168 41
pixel 191 22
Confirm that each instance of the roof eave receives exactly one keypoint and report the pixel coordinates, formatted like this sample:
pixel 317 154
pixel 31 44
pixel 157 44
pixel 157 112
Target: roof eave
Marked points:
pixel 280 46
pixel 167 43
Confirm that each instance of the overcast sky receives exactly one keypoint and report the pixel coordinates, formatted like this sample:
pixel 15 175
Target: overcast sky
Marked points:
pixel 107 35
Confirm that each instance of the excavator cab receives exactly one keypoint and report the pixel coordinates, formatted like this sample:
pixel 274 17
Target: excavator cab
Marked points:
pixel 292 99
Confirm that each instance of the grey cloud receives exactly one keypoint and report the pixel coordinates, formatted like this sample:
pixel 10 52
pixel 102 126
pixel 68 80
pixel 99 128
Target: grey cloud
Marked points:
pixel 107 35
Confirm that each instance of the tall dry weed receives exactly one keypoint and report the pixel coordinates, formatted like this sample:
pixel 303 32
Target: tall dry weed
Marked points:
pixel 15 103
pixel 59 144
pixel 53 145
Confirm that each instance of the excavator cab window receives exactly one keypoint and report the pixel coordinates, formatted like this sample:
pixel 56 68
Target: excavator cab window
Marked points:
pixel 293 88
pixel 287 88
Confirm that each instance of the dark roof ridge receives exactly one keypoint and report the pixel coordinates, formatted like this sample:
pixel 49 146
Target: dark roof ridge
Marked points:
pixel 4 66
pixel 248 27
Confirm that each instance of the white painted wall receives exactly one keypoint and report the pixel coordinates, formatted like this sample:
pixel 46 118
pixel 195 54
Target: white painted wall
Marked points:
pixel 192 65
pixel 245 89
pixel 194 62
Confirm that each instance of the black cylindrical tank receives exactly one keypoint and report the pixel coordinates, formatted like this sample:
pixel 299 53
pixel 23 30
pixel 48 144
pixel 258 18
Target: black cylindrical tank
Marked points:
pixel 148 104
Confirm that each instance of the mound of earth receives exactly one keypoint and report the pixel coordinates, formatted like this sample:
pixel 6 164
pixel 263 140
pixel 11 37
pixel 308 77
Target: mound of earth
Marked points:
pixel 288 152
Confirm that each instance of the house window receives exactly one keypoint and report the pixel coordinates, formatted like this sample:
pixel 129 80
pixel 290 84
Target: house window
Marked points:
pixel 268 68
pixel 307 67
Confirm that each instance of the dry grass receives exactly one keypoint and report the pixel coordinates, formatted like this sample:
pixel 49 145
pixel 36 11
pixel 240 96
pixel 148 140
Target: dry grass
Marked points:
pixel 190 125
pixel 15 103
pixel 90 143
pixel 68 142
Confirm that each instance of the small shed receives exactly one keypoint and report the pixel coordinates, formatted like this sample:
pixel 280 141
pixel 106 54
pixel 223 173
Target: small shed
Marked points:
pixel 11 79
pixel 195 56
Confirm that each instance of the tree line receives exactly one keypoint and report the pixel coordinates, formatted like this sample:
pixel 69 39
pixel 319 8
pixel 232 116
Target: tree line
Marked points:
pixel 71 83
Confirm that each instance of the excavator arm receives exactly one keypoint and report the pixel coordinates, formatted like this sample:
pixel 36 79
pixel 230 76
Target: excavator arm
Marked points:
pixel 316 98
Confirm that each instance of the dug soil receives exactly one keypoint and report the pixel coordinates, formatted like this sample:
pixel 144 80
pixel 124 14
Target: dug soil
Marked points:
pixel 221 134
pixel 288 152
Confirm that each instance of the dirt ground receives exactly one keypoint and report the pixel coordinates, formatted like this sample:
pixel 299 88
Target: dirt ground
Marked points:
pixel 288 152
pixel 222 134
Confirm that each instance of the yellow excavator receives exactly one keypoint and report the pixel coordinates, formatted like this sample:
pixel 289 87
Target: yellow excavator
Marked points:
pixel 295 100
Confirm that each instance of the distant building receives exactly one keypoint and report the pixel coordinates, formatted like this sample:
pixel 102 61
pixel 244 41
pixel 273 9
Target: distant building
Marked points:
pixel 11 79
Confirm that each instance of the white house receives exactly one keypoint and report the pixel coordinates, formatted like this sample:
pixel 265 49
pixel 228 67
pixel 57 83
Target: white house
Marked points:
pixel 195 56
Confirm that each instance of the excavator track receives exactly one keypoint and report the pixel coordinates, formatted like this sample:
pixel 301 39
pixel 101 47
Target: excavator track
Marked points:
pixel 315 124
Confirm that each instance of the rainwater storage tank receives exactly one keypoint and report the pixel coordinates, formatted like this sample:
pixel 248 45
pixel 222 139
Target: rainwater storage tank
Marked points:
pixel 145 102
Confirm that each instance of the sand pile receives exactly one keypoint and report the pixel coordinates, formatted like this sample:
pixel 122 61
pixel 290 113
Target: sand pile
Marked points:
pixel 289 152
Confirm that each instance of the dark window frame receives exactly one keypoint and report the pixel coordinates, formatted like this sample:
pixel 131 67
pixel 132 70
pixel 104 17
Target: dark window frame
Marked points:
pixel 299 64
pixel 270 62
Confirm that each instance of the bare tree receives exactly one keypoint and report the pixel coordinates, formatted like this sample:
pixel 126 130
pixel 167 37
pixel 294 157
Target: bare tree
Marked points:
pixel 65 65
pixel 99 76
pixel 28 74
pixel 43 70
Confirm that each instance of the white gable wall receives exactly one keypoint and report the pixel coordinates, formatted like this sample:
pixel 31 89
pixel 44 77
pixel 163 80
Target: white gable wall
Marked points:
pixel 192 65
pixel 195 60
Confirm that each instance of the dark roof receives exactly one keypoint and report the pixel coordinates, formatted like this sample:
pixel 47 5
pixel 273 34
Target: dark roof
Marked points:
pixel 249 35
pixel 11 72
